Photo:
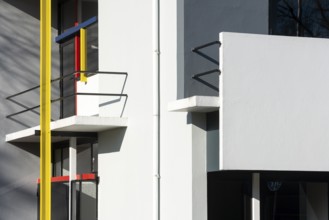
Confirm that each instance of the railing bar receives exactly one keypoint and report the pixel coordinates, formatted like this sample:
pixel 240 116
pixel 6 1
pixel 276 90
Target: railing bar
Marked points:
pixel 101 72
pixel 63 77
pixel 205 45
pixel 101 94
pixel 92 72
pixel 61 98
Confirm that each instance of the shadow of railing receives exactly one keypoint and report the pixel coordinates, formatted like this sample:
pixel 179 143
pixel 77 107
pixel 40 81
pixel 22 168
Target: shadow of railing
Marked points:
pixel 210 59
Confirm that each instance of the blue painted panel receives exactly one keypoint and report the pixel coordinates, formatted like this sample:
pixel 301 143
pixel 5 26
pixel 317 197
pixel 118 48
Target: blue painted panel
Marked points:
pixel 74 30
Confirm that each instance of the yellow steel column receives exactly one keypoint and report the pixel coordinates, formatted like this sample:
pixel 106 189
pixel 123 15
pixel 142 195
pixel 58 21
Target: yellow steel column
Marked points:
pixel 45 109
pixel 83 54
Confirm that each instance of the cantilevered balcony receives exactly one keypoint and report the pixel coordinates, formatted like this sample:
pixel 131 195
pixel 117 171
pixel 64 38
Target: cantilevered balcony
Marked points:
pixel 87 100
pixel 87 104
pixel 273 109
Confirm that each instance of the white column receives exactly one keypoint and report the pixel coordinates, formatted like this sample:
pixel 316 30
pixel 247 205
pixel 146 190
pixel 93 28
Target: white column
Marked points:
pixel 255 201
pixel 199 166
pixel 73 173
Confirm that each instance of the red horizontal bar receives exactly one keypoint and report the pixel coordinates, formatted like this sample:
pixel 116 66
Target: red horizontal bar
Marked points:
pixel 84 176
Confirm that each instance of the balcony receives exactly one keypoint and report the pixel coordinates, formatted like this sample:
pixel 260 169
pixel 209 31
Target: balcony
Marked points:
pixel 83 105
pixel 84 127
pixel 273 113
pixel 87 103
pixel 81 97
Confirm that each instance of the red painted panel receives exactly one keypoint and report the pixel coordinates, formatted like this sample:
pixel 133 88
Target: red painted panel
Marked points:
pixel 84 176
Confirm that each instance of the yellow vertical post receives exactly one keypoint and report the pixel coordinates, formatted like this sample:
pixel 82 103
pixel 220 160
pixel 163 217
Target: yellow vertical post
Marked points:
pixel 83 54
pixel 45 109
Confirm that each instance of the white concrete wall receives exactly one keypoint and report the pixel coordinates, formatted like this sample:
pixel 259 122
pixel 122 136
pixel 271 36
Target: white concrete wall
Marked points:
pixel 274 113
pixel 116 84
pixel 88 105
pixel 125 156
pixel 176 137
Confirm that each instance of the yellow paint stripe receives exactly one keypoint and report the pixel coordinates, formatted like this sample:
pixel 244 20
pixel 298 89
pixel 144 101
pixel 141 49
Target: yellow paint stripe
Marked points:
pixel 45 109
pixel 83 54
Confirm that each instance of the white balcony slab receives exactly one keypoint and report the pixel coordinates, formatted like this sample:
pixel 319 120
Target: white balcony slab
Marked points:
pixel 195 104
pixel 71 124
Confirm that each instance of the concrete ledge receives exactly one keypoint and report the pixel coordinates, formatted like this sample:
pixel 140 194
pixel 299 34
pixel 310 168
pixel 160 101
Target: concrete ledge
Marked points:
pixel 72 124
pixel 195 104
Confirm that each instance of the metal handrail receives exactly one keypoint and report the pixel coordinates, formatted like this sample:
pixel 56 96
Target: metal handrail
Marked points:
pixel 88 74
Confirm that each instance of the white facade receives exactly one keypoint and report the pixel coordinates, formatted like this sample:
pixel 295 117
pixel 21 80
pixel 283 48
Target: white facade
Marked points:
pixel 255 125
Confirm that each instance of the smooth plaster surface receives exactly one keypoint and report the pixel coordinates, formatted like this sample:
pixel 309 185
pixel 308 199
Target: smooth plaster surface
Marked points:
pixel 274 113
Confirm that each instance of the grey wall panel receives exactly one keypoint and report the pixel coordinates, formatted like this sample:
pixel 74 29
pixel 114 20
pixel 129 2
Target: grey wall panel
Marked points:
pixel 19 70
pixel 203 20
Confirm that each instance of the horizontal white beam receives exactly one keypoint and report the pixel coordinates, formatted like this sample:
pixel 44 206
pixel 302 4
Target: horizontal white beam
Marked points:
pixel 195 104
pixel 73 124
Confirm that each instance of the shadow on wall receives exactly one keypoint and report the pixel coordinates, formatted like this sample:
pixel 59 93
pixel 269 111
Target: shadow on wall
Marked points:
pixel 107 103
pixel 32 148
pixel 18 184
pixel 196 119
pixel 113 139
pixel 32 8
pixel 19 61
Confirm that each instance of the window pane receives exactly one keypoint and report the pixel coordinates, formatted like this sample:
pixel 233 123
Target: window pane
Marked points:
pixel 309 18
pixel 282 20
pixel 294 200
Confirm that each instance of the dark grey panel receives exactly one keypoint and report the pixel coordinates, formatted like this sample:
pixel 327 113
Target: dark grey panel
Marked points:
pixel 68 84
pixel 203 21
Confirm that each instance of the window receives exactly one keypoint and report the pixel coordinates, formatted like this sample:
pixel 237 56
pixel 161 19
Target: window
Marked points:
pixel 307 18
pixel 299 196
pixel 72 13
pixel 228 191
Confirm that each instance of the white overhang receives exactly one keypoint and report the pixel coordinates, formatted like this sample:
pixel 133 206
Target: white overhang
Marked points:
pixel 71 124
pixel 195 104
pixel 274 111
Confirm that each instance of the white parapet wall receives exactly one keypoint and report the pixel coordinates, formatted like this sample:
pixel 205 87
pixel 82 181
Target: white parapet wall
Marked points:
pixel 274 112
pixel 88 105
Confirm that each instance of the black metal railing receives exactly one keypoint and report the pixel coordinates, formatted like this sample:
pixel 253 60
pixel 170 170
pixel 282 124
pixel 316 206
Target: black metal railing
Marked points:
pixel 70 76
